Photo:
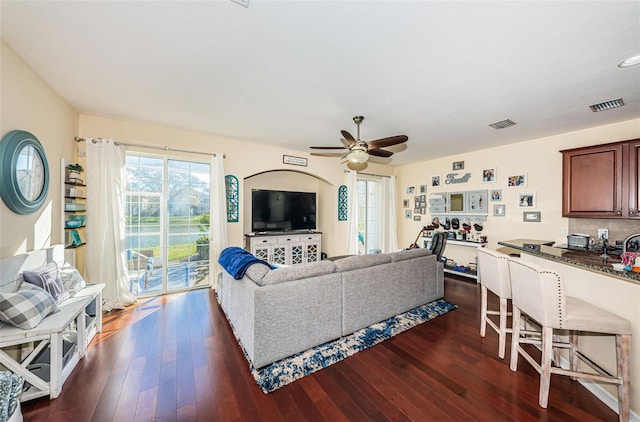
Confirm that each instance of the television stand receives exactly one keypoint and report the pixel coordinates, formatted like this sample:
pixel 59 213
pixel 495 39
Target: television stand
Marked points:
pixel 292 248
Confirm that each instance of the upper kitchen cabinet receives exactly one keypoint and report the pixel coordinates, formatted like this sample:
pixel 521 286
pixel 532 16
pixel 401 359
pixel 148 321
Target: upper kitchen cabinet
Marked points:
pixel 633 152
pixel 601 181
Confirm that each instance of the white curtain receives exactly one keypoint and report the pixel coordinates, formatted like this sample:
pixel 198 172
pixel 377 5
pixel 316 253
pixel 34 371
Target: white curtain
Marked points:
pixel 105 250
pixel 389 223
pixel 218 236
pixel 352 201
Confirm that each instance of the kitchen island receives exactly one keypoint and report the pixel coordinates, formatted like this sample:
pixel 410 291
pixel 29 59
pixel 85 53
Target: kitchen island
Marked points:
pixel 586 277
pixel 587 260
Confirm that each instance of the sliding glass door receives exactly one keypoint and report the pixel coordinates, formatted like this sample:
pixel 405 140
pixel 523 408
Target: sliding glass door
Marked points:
pixel 369 197
pixel 167 224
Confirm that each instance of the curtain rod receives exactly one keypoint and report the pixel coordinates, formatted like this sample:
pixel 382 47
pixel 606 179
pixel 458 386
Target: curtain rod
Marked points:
pixel 367 174
pixel 164 148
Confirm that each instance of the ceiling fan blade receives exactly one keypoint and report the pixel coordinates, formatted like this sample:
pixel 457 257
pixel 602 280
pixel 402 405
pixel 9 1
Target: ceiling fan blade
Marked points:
pixel 380 152
pixel 326 154
pixel 328 147
pixel 387 142
pixel 347 136
pixel 347 143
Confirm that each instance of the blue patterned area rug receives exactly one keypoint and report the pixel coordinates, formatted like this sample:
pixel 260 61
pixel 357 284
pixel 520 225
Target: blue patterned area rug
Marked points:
pixel 287 370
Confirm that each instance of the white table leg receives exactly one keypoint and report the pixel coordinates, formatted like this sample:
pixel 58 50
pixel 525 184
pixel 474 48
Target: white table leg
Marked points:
pixel 56 365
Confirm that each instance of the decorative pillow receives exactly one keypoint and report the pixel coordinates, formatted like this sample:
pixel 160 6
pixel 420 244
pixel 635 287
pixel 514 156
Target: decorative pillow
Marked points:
pixel 10 390
pixel 26 307
pixel 71 279
pixel 48 278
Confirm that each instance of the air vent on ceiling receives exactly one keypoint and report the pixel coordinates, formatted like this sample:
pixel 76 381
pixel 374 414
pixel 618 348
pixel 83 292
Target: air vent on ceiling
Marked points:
pixel 503 124
pixel 607 105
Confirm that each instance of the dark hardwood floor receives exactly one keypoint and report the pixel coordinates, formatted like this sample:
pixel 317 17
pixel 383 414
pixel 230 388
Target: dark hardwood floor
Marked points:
pixel 174 358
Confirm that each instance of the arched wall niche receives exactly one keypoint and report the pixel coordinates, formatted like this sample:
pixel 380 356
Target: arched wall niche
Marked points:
pixel 295 180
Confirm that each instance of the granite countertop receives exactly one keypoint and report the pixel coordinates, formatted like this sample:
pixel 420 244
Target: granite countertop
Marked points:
pixel 588 260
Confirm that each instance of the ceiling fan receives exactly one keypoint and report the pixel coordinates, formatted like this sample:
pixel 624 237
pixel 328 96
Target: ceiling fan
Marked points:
pixel 359 150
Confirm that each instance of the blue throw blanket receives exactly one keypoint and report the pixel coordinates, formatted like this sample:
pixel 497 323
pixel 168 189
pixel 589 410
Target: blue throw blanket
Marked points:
pixel 236 260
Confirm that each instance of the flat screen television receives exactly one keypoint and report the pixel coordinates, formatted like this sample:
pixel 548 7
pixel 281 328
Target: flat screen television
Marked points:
pixel 281 211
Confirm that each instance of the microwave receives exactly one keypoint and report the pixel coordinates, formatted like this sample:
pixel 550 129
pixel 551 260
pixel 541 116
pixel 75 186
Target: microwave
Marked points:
pixel 578 241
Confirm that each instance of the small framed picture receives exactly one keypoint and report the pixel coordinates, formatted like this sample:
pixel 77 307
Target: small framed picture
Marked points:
pixel 417 218
pixel 531 216
pixel 527 200
pixel 423 189
pixel 458 165
pixel 499 210
pixel 435 180
pixel 405 203
pixel 411 190
pixel 407 214
pixel 489 175
pixel 517 181
pixel 495 195
pixel 76 240
pixel 423 210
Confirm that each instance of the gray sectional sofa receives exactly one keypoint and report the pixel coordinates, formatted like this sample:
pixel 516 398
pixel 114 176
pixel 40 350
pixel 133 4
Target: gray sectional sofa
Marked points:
pixel 277 313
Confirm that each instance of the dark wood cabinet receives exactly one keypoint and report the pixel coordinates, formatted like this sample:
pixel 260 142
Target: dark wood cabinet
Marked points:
pixel 601 181
pixel 633 153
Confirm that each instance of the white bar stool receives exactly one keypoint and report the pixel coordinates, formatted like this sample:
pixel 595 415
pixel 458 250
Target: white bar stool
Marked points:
pixel 494 276
pixel 539 294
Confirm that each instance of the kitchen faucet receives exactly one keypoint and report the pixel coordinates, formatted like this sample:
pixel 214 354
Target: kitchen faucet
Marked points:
pixel 626 241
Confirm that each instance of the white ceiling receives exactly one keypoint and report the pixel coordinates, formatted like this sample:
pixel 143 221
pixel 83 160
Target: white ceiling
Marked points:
pixel 293 73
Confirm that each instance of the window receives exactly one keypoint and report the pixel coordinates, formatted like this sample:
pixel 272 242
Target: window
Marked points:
pixel 370 215
pixel 167 224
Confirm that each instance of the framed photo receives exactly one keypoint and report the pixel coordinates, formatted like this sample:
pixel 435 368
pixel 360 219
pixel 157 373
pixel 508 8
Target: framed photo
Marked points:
pixel 423 198
pixel 405 203
pixel 527 200
pixel 435 180
pixel 495 195
pixel 407 214
pixel 517 181
pixel 499 210
pixel 477 202
pixel 531 216
pixel 458 165
pixel 417 218
pixel 489 175
pixel 423 210
pixel 423 189
pixel 411 190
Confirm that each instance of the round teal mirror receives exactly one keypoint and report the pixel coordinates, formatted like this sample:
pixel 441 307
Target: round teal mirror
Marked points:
pixel 24 177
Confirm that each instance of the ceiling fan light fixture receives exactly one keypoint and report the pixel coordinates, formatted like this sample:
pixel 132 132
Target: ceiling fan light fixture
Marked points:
pixel 358 155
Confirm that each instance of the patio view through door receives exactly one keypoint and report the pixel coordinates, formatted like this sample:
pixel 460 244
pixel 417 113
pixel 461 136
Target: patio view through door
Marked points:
pixel 167 224
pixel 370 203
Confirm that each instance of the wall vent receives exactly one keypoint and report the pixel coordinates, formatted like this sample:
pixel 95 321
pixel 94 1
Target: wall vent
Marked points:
pixel 503 124
pixel 607 105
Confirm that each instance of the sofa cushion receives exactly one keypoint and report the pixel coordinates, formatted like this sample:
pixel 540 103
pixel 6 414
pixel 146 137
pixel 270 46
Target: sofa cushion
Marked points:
pixel 297 272
pixel 48 278
pixel 26 307
pixel 361 261
pixel 409 254
pixel 256 273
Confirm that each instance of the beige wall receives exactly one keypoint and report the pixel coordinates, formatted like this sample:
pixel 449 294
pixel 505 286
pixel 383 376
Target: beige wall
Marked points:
pixel 252 164
pixel 29 103
pixel 538 158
